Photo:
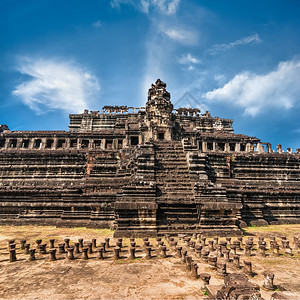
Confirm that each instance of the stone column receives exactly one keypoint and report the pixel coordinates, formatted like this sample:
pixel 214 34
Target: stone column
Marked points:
pixel 76 248
pixel 61 248
pixel 205 277
pixel 22 243
pixel 248 267
pixel 90 247
pixel 221 268
pixel 67 243
pixel 194 270
pixel 163 251
pixel 12 255
pixel 27 246
pixel 31 254
pixel 100 253
pixel 148 252
pixel 132 252
pixel 117 253
pixel 80 241
pixel 51 243
pixel 178 251
pixel 52 255
pixel 85 253
pixel 70 254
pixel 42 248
pixel 268 280
pixel 212 261
pixel 107 243
pixel 236 261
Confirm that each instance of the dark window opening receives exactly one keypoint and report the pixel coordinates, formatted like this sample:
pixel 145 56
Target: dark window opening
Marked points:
pixel 221 146
pixel 49 144
pixel 13 143
pixel 200 145
pixel 85 144
pixel 231 146
pixel 161 135
pixel 120 144
pixel 61 143
pixel 73 143
pixel 25 144
pixel 97 143
pixel 210 146
pixel 2 143
pixel 108 144
pixel 134 140
pixel 243 147
pixel 37 143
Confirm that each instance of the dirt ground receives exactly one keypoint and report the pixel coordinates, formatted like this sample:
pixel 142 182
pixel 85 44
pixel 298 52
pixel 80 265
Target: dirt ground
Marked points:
pixel 156 278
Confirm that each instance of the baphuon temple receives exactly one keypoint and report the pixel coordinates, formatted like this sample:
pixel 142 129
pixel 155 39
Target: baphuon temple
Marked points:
pixel 147 171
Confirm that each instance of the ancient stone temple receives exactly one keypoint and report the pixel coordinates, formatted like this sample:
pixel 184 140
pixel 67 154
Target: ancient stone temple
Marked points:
pixel 147 171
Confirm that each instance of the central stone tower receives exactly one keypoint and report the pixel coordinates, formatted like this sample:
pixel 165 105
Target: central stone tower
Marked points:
pixel 159 113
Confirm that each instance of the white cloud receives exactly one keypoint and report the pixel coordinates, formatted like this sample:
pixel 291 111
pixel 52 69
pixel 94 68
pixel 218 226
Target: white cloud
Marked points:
pixel 183 36
pixel 167 7
pixel 188 59
pixel 255 93
pixel 252 39
pixel 55 85
pixel 97 24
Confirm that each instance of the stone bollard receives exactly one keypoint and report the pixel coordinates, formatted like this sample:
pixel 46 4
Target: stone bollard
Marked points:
pixel 51 243
pixel 12 255
pixel 211 245
pixel 240 239
pixel 90 247
pixel 70 254
pixel 236 261
pixel 27 246
pixel 103 245
pixel 11 246
pixel 204 254
pixel 61 248
pixel 248 250
pixel 148 252
pixel 276 249
pixel 288 251
pixel 248 267
pixel 205 277
pixel 80 241
pixel 219 251
pixel 212 261
pixel 100 253
pixel 67 242
pixel 94 242
pixel 216 241
pixel 178 251
pixel 107 243
pixel 42 248
pixel 183 255
pixel 221 268
pixel 85 252
pixel 31 254
pixel 226 255
pixel 120 241
pixel 188 262
pixel 268 280
pixel 22 243
pixel 163 251
pixel 233 248
pixel 262 249
pixel 194 270
pixel 228 239
pixel 117 253
pixel 132 252
pixel 52 254
pixel 76 248
pixel 38 242
pixel 198 249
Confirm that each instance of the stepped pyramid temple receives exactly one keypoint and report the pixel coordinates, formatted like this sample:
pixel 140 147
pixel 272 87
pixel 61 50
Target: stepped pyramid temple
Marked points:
pixel 147 171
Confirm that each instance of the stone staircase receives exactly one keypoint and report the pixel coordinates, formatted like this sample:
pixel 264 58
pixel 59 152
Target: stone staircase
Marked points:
pixel 175 196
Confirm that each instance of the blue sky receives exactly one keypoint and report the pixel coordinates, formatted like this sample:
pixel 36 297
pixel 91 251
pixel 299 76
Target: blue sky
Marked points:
pixel 239 59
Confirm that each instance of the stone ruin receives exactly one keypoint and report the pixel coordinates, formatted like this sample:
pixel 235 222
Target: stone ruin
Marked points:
pixel 147 171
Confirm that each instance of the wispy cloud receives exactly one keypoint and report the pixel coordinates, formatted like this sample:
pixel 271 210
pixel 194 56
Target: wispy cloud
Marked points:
pixel 252 39
pixel 189 61
pixel 167 7
pixel 180 35
pixel 255 93
pixel 97 24
pixel 55 84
